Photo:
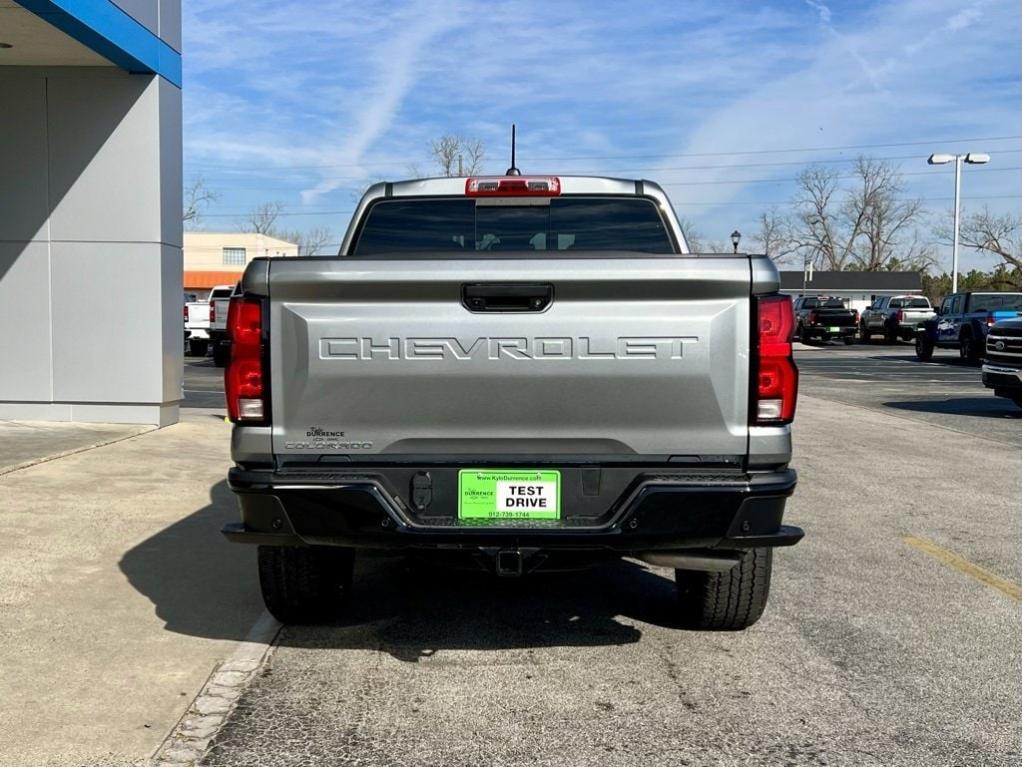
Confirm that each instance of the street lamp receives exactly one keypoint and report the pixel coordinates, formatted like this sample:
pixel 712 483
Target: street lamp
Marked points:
pixel 973 158
pixel 736 237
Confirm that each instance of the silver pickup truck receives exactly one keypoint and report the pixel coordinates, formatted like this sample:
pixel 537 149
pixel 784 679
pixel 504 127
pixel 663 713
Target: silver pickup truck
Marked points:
pixel 895 317
pixel 521 372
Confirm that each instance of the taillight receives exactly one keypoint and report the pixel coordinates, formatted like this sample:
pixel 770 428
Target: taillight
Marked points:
pixel 244 379
pixel 812 318
pixel 186 312
pixel 776 374
pixel 513 186
pixel 855 316
pixel 212 312
pixel 991 319
pixel 900 315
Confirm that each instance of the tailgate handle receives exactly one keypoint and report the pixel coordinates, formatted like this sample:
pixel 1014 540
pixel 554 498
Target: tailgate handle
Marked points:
pixel 507 297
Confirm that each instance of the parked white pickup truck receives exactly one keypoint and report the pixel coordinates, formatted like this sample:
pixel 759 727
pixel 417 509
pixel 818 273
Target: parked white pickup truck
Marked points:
pixel 196 318
pixel 206 323
pixel 219 299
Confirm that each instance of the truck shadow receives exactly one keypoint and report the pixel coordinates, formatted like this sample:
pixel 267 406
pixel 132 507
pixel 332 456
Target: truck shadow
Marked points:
pixel 412 610
pixel 202 586
pixel 979 407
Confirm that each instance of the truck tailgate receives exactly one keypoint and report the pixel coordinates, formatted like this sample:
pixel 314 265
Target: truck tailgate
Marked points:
pixel 634 356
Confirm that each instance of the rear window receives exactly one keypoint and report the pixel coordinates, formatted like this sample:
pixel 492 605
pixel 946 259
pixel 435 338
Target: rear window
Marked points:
pixel 909 303
pixel 994 302
pixel 468 226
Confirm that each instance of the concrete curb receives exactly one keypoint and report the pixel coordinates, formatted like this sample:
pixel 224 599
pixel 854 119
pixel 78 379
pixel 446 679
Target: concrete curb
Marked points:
pixel 74 451
pixel 187 743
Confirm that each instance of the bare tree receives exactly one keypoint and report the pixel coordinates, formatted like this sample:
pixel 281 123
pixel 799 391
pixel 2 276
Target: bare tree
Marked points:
pixel 773 236
pixel 457 155
pixel 886 219
pixel 263 218
pixel 860 227
pixel 309 242
pixel 692 235
pixel 987 232
pixel 196 197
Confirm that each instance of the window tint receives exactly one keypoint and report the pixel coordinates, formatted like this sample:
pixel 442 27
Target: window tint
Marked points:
pixel 463 226
pixel 917 303
pixel 834 303
pixel 809 303
pixel 994 302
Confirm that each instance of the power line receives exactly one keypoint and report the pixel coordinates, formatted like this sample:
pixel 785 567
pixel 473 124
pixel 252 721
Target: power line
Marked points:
pixel 612 171
pixel 656 156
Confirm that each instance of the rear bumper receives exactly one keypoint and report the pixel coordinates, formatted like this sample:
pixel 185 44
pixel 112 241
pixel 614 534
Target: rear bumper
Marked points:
pixel 654 509
pixel 832 331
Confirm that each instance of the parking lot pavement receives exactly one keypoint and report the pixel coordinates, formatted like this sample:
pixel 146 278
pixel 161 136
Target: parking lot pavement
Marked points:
pixel 946 392
pixel 203 384
pixel 892 636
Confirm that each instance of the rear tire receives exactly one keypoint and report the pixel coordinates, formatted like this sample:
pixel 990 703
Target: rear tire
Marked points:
pixel 890 335
pixel 729 601
pixel 864 334
pixel 924 348
pixel 804 337
pixel 849 340
pixel 197 347
pixel 305 584
pixel 968 349
pixel 220 355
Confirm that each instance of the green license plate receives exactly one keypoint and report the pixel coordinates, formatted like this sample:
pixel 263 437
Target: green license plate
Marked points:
pixel 833 330
pixel 509 494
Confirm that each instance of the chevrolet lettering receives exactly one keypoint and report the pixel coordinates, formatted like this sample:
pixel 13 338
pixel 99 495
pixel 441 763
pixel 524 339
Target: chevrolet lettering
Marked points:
pixel 457 349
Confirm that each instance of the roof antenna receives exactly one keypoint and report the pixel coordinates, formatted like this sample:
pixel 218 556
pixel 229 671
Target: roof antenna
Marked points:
pixel 512 171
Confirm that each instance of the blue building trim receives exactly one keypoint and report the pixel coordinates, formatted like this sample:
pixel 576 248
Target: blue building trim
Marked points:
pixel 113 34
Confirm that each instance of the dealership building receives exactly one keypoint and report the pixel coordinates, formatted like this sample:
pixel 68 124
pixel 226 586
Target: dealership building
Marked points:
pixel 90 210
pixel 219 258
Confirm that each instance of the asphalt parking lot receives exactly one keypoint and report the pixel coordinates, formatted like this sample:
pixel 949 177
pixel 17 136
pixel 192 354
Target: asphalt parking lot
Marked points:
pixel 892 636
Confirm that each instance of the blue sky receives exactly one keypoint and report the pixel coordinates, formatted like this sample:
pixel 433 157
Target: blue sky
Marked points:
pixel 722 102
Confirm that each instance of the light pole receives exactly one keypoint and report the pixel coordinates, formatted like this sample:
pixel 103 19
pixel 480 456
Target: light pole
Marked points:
pixel 736 237
pixel 973 158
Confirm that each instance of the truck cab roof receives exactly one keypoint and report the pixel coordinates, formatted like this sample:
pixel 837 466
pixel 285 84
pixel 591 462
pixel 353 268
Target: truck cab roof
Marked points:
pixel 557 186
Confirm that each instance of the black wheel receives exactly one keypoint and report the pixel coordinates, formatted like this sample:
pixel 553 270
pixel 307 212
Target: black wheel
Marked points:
pixel 864 334
pixel 305 584
pixel 968 349
pixel 890 335
pixel 803 335
pixel 197 347
pixel 220 355
pixel 849 340
pixel 728 601
pixel 924 348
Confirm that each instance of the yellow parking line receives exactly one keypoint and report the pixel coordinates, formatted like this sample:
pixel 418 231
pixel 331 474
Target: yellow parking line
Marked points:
pixel 961 564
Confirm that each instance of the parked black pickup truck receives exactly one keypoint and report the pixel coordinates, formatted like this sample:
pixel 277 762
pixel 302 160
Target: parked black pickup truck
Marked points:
pixel 823 318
